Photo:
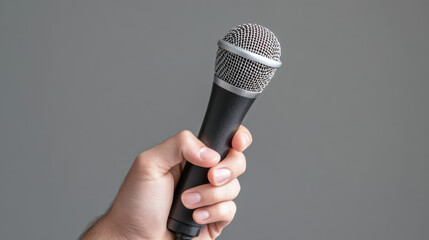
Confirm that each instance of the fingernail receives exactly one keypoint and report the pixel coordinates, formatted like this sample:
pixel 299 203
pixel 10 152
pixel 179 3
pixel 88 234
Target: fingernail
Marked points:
pixel 191 198
pixel 202 215
pixel 221 175
pixel 208 154
pixel 246 139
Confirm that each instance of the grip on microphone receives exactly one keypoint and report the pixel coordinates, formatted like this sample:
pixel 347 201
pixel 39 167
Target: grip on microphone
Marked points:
pixel 224 114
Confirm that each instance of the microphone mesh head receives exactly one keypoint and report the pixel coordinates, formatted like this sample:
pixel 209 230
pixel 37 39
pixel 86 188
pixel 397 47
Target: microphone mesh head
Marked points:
pixel 242 72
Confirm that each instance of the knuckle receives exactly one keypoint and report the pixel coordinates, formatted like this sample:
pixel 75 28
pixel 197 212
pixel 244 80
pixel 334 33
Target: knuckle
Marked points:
pixel 239 156
pixel 185 136
pixel 241 159
pixel 244 166
pixel 140 159
pixel 216 231
pixel 233 210
pixel 223 210
pixel 228 211
pixel 238 187
pixel 142 162
pixel 216 194
pixel 234 189
pixel 233 207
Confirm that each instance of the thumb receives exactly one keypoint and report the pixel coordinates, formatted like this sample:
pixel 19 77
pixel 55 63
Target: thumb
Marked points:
pixel 173 151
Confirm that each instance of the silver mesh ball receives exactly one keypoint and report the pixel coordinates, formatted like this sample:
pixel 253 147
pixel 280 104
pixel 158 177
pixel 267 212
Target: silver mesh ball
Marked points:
pixel 244 73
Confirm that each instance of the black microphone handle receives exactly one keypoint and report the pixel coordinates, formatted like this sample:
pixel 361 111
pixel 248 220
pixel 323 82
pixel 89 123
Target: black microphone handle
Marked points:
pixel 224 114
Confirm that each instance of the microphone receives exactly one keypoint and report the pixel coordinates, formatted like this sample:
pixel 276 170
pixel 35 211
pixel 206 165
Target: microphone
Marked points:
pixel 246 60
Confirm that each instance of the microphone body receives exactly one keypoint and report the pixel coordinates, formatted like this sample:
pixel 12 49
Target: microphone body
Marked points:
pixel 225 112
pixel 246 60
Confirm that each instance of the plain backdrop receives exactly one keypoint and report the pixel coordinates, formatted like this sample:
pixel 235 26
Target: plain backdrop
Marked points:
pixel 341 136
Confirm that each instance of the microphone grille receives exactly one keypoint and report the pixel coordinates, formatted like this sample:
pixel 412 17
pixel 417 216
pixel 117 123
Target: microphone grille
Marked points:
pixel 242 72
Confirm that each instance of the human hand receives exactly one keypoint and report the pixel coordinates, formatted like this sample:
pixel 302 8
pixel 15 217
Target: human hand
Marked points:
pixel 142 205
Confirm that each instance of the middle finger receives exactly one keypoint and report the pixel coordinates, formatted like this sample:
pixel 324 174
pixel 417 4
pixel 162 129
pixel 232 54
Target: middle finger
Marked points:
pixel 230 168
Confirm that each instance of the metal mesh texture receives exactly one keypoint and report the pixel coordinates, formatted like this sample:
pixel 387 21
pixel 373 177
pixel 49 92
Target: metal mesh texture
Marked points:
pixel 244 73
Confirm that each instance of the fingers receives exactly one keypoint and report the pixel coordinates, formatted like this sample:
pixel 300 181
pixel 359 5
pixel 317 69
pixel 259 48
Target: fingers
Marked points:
pixel 185 146
pixel 222 212
pixel 235 162
pixel 208 194
pixel 230 168
pixel 182 146
pixel 242 139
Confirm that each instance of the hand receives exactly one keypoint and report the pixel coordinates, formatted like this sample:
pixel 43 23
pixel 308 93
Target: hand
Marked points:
pixel 141 207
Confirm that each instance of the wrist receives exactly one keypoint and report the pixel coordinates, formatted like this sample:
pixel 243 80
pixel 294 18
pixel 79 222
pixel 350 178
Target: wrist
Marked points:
pixel 105 228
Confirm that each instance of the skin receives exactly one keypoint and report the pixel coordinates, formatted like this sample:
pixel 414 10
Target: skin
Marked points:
pixel 141 207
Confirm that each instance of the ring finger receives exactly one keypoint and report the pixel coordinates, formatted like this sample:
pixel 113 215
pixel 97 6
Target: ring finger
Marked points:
pixel 208 194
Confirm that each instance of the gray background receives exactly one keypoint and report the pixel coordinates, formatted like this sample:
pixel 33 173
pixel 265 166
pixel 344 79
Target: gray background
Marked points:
pixel 341 137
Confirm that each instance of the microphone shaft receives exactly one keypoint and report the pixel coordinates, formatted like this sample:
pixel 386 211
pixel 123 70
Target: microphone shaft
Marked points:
pixel 224 114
